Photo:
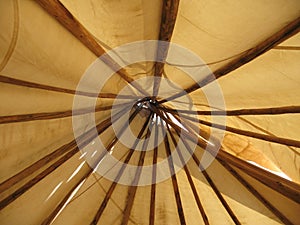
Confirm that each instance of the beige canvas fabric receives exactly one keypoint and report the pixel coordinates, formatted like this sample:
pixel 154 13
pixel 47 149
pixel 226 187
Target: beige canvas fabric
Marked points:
pixel 36 48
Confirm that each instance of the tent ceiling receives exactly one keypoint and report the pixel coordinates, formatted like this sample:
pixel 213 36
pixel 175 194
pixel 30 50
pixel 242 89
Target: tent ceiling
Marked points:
pixel 253 50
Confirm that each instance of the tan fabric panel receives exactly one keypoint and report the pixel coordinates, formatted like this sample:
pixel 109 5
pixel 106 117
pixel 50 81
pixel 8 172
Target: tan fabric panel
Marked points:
pixel 85 203
pixel 37 203
pixel 213 208
pixel 114 23
pixel 45 51
pixel 106 23
pixel 242 147
pixel 245 206
pixel 118 22
pixel 250 149
pixel 8 38
pixel 286 158
pixel 189 204
pixel 286 206
pixel 283 125
pixel 166 210
pixel 36 48
pixel 24 143
pixel 22 100
pixel 141 206
pixel 218 30
pixel 269 81
pixel 181 79
pixel 113 212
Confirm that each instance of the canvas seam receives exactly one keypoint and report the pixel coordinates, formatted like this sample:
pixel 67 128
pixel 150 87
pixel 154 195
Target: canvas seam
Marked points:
pixel 14 38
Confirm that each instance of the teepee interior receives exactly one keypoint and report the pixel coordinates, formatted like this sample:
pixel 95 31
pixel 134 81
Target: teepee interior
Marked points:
pixel 49 167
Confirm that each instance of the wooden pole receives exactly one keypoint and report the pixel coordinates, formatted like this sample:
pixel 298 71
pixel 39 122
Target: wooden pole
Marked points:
pixel 55 212
pixel 108 148
pixel 154 173
pixel 167 24
pixel 264 137
pixel 174 179
pixel 23 83
pixel 133 188
pixel 64 149
pixel 285 187
pixel 250 188
pixel 191 182
pixel 210 181
pixel 241 112
pixel 57 10
pixel 117 178
pixel 280 36
pixel 55 115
